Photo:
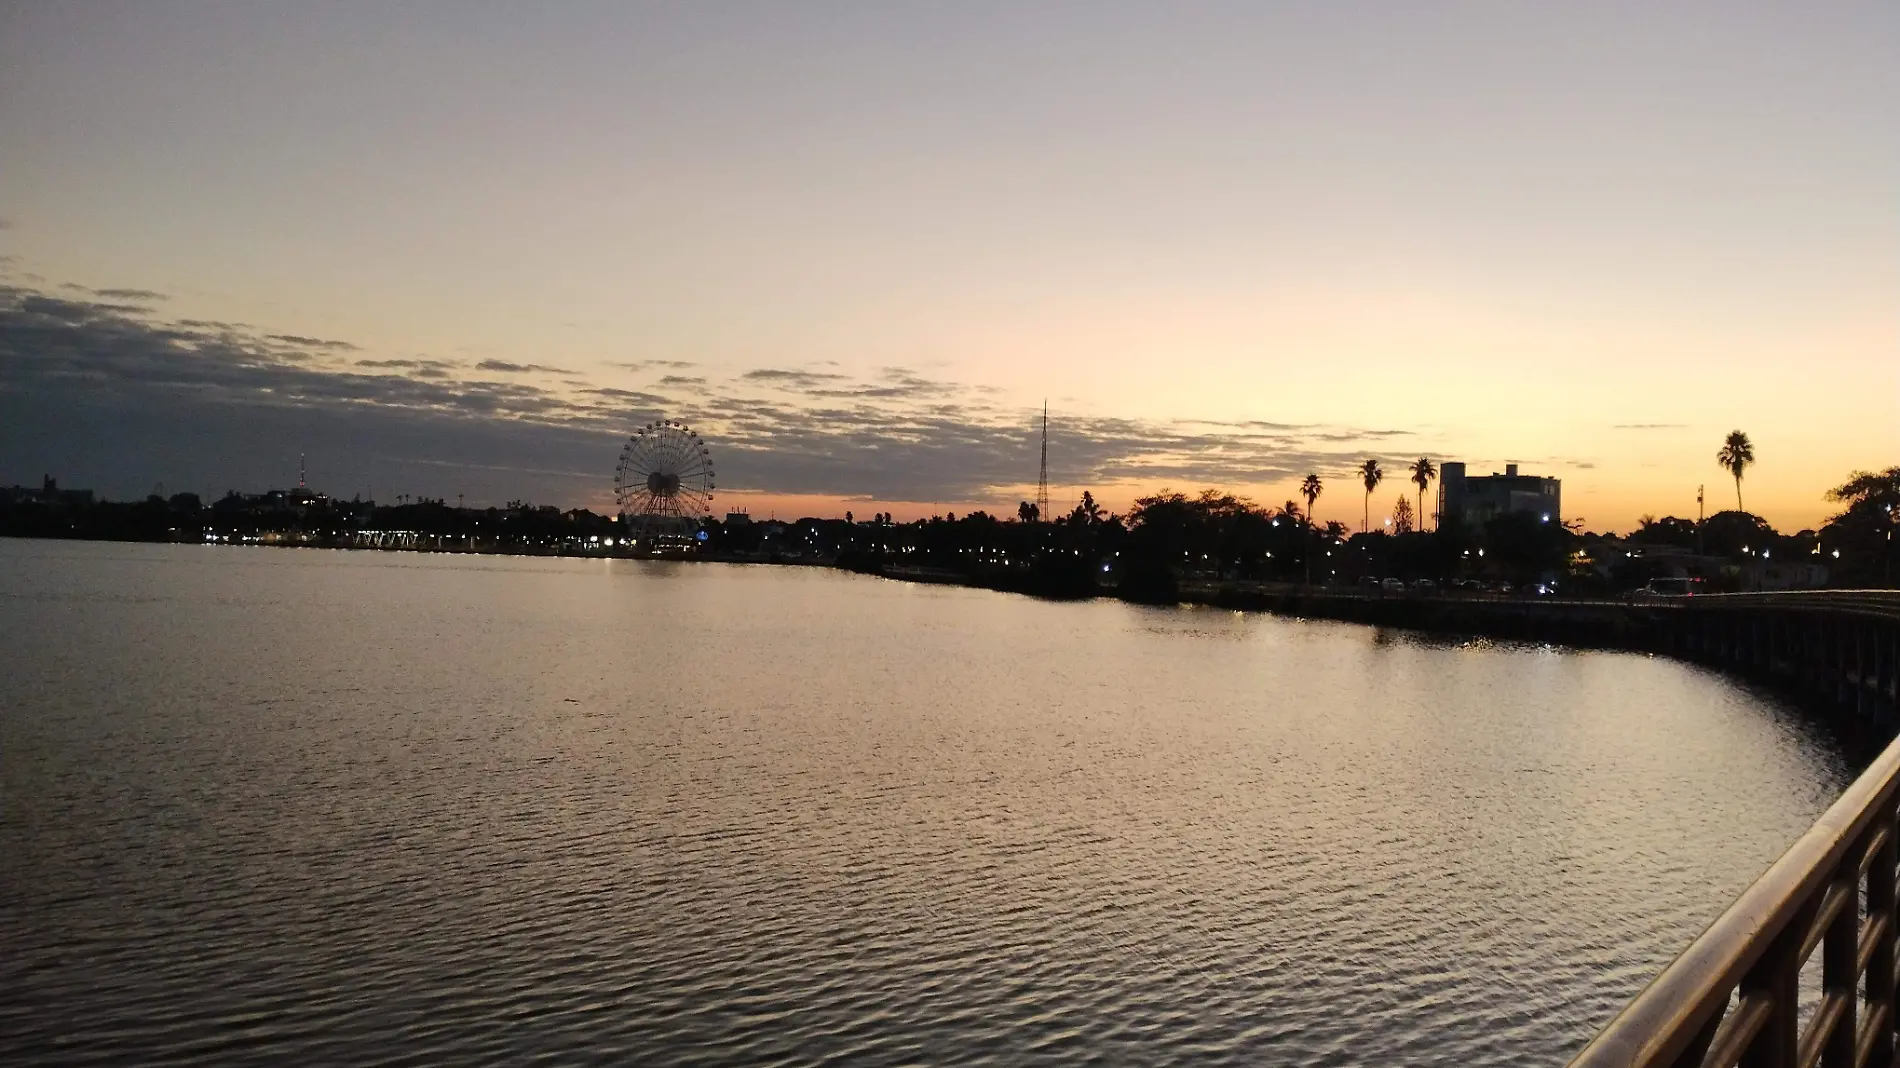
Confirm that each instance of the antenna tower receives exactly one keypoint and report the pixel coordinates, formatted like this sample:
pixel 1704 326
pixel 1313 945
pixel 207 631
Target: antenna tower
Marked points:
pixel 1042 477
pixel 300 484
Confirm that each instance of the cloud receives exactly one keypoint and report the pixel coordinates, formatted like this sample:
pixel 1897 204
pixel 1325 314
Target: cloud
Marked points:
pixel 647 365
pixel 791 379
pixel 52 343
pixel 312 342
pixel 82 380
pixel 893 383
pixel 628 396
pixel 418 368
pixel 504 367
pixel 1650 426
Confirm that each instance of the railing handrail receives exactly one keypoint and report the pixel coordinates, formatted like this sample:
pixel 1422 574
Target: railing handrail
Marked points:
pixel 1679 1004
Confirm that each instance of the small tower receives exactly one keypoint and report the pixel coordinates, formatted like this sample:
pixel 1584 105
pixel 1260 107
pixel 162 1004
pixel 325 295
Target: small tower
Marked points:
pixel 1042 477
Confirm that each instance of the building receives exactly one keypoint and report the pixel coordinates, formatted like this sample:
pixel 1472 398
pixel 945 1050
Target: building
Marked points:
pixel 1475 501
pixel 48 493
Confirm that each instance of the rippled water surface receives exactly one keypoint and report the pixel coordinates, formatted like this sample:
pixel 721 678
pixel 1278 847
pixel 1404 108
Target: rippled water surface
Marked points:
pixel 292 807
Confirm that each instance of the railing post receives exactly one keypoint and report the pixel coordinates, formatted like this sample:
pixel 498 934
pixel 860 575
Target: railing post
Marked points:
pixel 1777 975
pixel 1881 876
pixel 1840 973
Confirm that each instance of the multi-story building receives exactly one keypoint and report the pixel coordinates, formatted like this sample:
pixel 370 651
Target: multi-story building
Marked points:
pixel 1474 501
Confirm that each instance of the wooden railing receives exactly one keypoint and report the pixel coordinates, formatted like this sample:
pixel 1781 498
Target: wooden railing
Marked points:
pixel 1734 996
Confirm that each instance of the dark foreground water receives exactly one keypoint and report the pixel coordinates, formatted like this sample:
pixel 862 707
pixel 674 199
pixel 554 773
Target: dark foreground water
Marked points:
pixel 298 807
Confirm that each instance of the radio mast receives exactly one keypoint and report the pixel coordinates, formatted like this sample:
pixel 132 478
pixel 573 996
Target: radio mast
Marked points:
pixel 1042 477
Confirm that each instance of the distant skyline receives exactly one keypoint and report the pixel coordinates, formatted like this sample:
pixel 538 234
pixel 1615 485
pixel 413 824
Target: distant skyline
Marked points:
pixel 461 248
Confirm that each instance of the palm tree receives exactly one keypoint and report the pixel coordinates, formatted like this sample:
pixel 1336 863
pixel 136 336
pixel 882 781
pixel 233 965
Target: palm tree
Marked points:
pixel 1310 489
pixel 1736 454
pixel 1370 474
pixel 1422 474
pixel 1090 511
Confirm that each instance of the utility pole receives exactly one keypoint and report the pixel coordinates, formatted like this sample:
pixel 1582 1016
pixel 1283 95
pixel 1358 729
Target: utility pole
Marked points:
pixel 1698 519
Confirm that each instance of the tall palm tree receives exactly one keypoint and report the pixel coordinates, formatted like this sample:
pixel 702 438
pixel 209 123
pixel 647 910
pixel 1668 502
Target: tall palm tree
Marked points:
pixel 1311 488
pixel 1736 454
pixel 1370 474
pixel 1423 472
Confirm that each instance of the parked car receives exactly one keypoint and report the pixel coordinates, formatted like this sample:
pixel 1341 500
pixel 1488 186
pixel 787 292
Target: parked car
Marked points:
pixel 1394 585
pixel 1502 587
pixel 1424 584
pixel 1670 587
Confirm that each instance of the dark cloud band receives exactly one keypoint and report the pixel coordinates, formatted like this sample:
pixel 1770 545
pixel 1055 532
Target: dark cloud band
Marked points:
pixel 91 378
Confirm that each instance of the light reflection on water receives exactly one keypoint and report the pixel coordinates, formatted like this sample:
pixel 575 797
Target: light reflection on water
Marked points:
pixel 274 805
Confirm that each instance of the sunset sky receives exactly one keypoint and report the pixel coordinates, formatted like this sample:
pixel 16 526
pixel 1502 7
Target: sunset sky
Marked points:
pixel 464 248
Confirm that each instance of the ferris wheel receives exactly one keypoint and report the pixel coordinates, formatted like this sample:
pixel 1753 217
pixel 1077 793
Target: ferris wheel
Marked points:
pixel 665 472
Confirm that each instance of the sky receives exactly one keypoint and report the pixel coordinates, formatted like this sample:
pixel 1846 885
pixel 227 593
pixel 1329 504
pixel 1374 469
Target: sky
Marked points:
pixel 461 250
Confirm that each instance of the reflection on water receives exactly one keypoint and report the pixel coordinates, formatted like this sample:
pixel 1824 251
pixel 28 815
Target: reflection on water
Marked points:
pixel 270 806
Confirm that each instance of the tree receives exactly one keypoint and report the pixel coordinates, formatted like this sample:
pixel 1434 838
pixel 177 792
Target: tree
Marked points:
pixel 1668 530
pixel 1087 513
pixel 1369 474
pixel 1402 517
pixel 1027 513
pixel 1869 490
pixel 1732 533
pixel 1423 472
pixel 1866 534
pixel 848 519
pixel 1311 488
pixel 1736 454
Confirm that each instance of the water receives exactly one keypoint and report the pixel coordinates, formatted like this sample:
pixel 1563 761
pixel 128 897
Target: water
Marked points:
pixel 289 806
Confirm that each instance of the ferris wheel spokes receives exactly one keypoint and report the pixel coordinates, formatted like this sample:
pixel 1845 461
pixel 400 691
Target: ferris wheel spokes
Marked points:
pixel 665 476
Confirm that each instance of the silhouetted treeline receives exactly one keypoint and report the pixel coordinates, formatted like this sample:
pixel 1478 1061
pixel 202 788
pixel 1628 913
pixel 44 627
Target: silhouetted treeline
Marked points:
pixel 1164 541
